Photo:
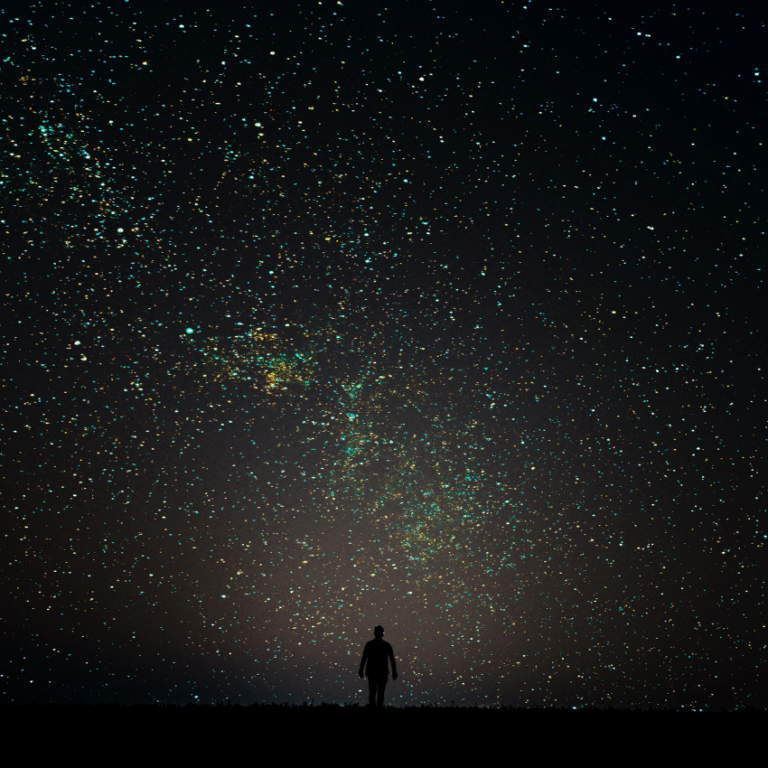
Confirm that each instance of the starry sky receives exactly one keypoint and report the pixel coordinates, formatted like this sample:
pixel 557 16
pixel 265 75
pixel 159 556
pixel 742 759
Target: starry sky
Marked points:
pixel 444 316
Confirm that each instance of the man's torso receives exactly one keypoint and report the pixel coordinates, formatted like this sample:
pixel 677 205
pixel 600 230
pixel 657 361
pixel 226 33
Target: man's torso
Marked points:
pixel 377 654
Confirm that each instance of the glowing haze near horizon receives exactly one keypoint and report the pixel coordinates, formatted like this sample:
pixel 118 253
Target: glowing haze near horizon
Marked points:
pixel 447 317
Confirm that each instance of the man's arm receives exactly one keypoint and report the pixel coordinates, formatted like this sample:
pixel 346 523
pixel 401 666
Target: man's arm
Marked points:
pixel 362 661
pixel 392 659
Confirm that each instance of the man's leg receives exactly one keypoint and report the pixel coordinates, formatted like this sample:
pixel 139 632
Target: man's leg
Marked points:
pixel 372 692
pixel 382 685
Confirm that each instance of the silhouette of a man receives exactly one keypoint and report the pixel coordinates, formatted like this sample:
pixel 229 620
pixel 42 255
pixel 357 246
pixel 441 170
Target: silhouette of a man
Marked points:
pixel 374 664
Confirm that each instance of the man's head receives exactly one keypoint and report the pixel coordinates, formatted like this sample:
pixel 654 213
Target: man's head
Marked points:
pixel 378 631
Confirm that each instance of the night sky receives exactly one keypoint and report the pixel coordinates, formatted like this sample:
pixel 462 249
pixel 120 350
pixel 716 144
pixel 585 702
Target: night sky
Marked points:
pixel 445 316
